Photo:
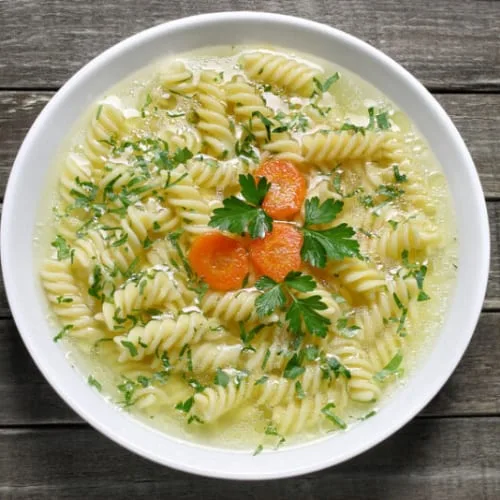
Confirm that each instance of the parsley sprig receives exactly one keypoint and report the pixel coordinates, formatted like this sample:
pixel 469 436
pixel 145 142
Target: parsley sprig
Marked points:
pixel 335 243
pixel 303 312
pixel 245 216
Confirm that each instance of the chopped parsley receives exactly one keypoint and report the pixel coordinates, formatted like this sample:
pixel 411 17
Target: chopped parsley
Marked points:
pixel 346 330
pixel 185 406
pixel 64 300
pixel 132 349
pixel 196 385
pixel 62 333
pixel 271 430
pixel 93 382
pixel 299 390
pixel 325 86
pixel 244 148
pixel 258 450
pixel 265 121
pixel 328 413
pixel 418 271
pixel 194 418
pixel 221 378
pixel 392 368
pixel 293 368
pixel 401 330
pixel 369 415
pixel 64 251
pixel 398 176
pixel 128 389
pixel 247 337
pixel 261 380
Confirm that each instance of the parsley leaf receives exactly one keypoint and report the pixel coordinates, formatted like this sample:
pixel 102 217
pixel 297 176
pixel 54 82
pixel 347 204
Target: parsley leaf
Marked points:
pixel 300 282
pixel 299 390
pixel 323 87
pixel 316 213
pixel 64 251
pixel 247 337
pixel 262 380
pixel 383 121
pixel 93 382
pixel 258 450
pixel 335 244
pixel 392 368
pixel 305 311
pixel 418 272
pixel 221 378
pixel 398 176
pixel 293 368
pixel 273 298
pixel 265 121
pixel 128 389
pixel 237 216
pixel 182 156
pixel 337 368
pixel 185 406
pixel 253 192
pixel 130 346
pixel 327 411
pixel 62 333
pixel 302 311
pixel 345 330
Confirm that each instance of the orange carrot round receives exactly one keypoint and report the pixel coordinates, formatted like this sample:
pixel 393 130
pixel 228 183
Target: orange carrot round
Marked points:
pixel 220 260
pixel 278 252
pixel 288 188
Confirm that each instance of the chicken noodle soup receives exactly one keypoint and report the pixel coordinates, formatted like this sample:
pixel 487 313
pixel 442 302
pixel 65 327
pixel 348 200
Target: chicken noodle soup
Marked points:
pixel 250 246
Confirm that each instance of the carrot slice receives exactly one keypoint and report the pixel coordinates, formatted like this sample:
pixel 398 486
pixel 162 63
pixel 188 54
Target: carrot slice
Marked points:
pixel 278 252
pixel 220 260
pixel 288 188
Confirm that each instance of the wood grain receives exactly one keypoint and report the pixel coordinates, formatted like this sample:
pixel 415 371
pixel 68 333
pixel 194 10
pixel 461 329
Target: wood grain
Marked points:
pixel 444 46
pixel 473 390
pixel 445 459
pixel 476 116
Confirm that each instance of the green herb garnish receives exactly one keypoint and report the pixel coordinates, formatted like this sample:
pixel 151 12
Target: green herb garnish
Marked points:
pixel 64 251
pixel 302 311
pixel 132 349
pixel 392 368
pixel 323 87
pixel 238 216
pixel 62 333
pixel 327 411
pixel 93 382
pixel 221 378
pixel 335 243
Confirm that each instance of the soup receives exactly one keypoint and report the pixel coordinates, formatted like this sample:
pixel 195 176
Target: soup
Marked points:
pixel 248 246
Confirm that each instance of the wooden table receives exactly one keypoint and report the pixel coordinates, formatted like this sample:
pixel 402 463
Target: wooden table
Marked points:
pixel 452 449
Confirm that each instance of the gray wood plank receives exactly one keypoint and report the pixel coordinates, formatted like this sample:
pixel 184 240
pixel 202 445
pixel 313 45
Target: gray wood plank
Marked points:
pixel 429 458
pixel 477 117
pixel 444 45
pixel 27 399
pixel 493 291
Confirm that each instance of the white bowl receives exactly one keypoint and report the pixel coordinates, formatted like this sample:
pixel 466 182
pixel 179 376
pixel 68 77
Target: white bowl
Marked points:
pixel 25 189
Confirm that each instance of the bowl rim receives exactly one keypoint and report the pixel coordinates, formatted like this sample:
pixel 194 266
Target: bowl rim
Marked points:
pixel 263 471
